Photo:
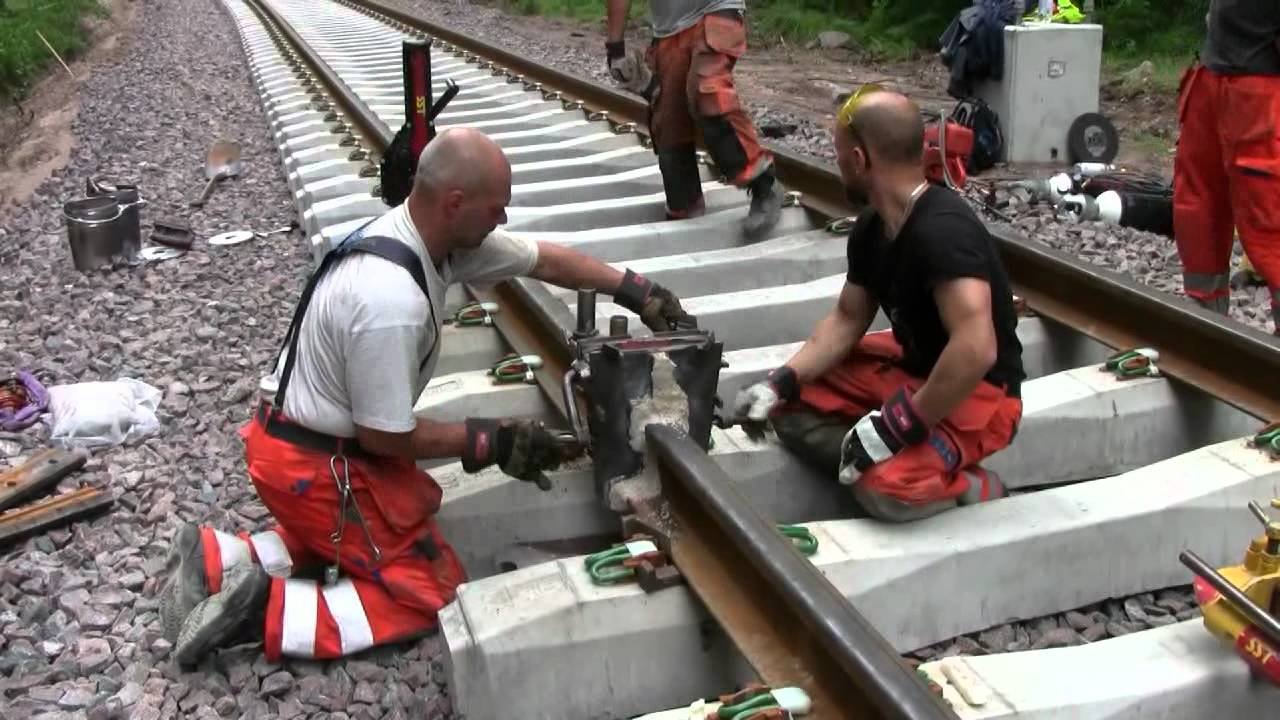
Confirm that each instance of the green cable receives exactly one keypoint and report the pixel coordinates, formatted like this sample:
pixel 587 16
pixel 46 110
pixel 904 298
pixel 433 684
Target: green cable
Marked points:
pixel 743 709
pixel 801 538
pixel 1269 438
pixel 472 314
pixel 598 565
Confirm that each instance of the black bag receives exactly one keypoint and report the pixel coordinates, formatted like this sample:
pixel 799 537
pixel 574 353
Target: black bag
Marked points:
pixel 988 140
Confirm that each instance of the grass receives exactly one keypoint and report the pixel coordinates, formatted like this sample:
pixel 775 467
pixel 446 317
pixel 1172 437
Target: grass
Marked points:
pixel 23 56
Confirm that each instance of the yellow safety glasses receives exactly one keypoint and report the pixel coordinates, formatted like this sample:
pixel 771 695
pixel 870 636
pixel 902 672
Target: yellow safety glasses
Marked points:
pixel 845 115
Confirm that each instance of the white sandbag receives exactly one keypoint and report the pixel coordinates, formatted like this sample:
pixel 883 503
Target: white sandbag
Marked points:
pixel 92 414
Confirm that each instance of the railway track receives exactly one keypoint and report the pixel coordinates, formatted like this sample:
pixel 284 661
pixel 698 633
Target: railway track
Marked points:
pixel 1113 478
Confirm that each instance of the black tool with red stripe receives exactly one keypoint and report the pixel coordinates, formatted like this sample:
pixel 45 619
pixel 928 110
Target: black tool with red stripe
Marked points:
pixel 400 161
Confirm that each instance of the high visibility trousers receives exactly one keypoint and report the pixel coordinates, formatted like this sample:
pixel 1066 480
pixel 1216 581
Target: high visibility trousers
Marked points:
pixel 394 598
pixel 695 92
pixel 920 480
pixel 1227 177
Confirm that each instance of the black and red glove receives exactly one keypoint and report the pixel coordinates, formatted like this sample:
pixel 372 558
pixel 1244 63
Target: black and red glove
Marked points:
pixel 657 306
pixel 881 434
pixel 524 449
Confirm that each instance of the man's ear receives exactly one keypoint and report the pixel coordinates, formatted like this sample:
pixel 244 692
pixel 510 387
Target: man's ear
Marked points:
pixel 452 203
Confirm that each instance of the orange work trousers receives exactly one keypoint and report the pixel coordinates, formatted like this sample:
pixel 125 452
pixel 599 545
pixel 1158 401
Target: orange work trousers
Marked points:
pixel 1226 176
pixel 376 601
pixel 693 73
pixel 941 472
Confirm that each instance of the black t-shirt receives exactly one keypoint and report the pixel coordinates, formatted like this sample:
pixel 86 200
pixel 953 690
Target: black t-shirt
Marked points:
pixel 1241 38
pixel 942 240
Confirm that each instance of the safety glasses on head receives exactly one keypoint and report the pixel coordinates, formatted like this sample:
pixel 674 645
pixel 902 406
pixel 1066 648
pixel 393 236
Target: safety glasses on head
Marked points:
pixel 845 114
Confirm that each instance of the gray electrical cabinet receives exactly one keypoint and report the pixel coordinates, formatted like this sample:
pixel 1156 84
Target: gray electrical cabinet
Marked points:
pixel 1051 77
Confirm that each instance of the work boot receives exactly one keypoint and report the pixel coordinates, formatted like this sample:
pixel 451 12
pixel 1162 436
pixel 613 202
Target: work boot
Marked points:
pixel 220 617
pixel 185 586
pixel 766 205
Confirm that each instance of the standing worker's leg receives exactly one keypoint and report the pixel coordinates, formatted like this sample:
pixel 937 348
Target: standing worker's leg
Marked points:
pixel 1251 114
pixel 1202 217
pixel 671 126
pixel 727 131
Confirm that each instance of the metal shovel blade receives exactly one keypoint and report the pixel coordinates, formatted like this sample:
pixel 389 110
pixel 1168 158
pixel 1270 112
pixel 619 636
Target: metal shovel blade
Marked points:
pixel 223 161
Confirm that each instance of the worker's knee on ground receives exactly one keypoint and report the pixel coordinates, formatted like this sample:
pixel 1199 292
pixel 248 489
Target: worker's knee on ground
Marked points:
pixel 890 509
pixel 813 437
pixel 724 146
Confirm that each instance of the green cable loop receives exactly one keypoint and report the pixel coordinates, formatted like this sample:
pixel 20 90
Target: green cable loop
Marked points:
pixel 599 565
pixel 801 538
pixel 747 708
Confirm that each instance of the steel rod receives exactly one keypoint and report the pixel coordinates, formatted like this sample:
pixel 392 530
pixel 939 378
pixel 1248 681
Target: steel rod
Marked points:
pixel 870 665
pixel 1264 621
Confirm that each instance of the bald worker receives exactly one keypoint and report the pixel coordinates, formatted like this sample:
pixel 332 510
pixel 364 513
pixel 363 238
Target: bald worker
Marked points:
pixel 903 416
pixel 356 558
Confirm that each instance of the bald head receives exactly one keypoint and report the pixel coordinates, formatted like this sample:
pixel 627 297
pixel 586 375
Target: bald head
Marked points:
pixel 888 124
pixel 462 159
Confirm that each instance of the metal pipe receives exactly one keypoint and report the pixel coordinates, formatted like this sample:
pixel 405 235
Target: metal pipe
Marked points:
pixel 1264 621
pixel 1259 513
pixel 618 325
pixel 868 661
pixel 586 326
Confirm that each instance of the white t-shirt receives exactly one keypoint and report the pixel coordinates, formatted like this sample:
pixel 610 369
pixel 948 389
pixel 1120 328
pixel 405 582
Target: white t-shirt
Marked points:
pixel 368 329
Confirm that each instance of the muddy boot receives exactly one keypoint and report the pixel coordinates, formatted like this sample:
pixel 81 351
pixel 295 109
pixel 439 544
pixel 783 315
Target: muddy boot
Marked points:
pixel 186 586
pixel 220 617
pixel 766 205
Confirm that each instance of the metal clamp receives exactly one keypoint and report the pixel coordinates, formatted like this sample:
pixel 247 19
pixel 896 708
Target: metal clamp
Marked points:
pixel 579 370
pixel 624 128
pixel 1133 363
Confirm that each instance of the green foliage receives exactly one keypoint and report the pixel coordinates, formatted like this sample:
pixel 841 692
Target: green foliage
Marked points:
pixel 22 54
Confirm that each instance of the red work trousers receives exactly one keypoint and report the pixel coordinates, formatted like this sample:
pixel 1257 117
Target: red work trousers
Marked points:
pixel 695 92
pixel 940 472
pixel 388 600
pixel 1227 177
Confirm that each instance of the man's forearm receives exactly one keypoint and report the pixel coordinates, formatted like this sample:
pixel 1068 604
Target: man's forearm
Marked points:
pixel 831 341
pixel 427 441
pixel 616 26
pixel 960 367
pixel 566 268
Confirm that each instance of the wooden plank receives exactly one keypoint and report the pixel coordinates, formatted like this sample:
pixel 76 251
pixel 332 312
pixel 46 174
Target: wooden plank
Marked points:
pixel 51 512
pixel 38 475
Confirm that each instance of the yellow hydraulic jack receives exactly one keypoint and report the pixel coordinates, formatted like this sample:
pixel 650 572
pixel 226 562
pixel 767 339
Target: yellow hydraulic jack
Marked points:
pixel 1241 603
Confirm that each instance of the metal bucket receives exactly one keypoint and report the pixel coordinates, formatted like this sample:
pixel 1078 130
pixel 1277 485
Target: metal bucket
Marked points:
pixel 91 231
pixel 129 227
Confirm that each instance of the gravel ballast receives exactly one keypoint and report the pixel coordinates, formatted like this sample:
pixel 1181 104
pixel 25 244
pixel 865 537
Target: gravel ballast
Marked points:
pixel 78 609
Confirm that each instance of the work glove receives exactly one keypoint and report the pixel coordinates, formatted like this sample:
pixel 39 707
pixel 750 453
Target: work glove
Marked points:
pixel 756 402
pixel 524 449
pixel 628 71
pixel 881 434
pixel 657 306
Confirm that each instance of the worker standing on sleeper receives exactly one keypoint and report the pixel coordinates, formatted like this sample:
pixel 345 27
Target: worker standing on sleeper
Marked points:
pixel 903 415
pixel 1226 173
pixel 333 455
pixel 696 44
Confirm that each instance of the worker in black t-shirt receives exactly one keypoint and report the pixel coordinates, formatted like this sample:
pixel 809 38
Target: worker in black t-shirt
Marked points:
pixel 1226 174
pixel 904 416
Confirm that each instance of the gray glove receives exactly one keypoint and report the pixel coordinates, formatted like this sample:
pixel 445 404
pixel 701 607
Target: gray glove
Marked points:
pixel 757 401
pixel 628 70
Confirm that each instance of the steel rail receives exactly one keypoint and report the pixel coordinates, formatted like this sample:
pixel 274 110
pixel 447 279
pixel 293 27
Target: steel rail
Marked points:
pixel 776 606
pixel 375 134
pixel 1231 361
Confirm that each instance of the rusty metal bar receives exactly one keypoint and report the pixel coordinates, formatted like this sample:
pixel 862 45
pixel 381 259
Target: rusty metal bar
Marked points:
pixel 39 474
pixel 789 621
pixel 47 513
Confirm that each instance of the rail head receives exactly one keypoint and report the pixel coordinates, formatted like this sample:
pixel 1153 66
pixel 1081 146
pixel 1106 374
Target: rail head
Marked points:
pixel 782 607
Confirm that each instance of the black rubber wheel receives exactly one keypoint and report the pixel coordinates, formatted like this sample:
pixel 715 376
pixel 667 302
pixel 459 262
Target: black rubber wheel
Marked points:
pixel 1092 138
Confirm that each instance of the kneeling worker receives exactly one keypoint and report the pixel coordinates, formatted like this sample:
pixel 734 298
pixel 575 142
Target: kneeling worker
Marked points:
pixel 903 417
pixel 333 459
